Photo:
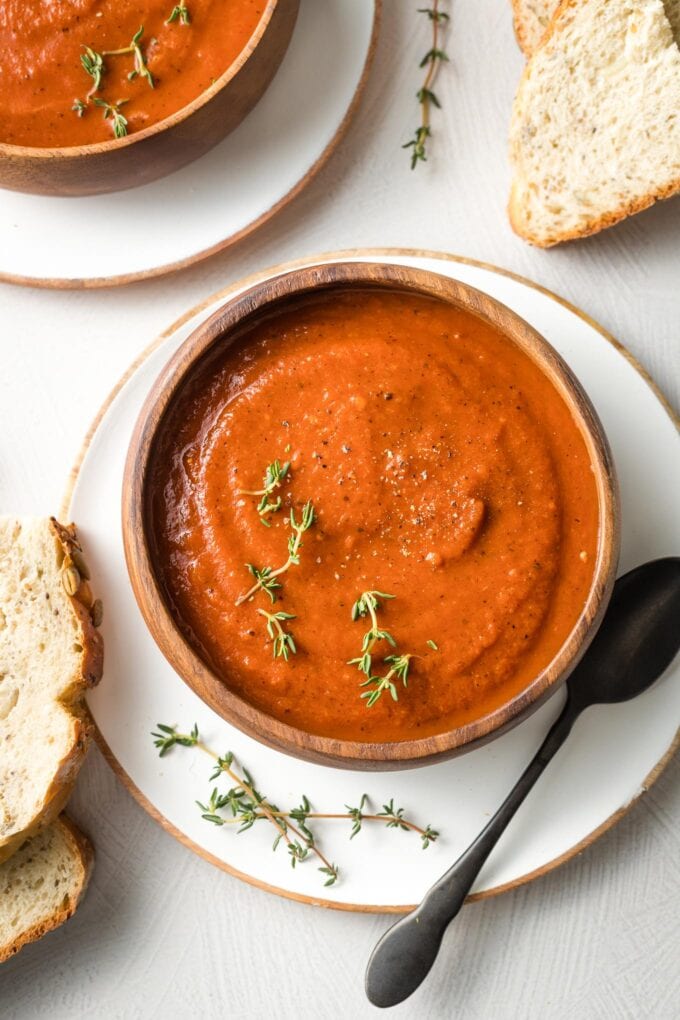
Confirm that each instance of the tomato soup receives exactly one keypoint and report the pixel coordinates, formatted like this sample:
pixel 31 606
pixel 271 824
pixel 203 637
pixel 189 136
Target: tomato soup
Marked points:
pixel 444 470
pixel 79 71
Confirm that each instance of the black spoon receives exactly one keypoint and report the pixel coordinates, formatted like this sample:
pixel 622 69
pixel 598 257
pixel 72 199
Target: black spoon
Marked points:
pixel 638 639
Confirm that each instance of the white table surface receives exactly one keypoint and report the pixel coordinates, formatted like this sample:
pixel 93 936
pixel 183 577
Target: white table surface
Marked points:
pixel 161 932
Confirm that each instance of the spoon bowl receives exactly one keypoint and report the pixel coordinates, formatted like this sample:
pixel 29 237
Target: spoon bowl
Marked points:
pixel 637 641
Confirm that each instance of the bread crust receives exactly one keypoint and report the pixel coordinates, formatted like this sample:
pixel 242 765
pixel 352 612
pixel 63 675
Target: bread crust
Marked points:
pixel 595 226
pixel 519 28
pixel 84 852
pixel 601 222
pixel 90 673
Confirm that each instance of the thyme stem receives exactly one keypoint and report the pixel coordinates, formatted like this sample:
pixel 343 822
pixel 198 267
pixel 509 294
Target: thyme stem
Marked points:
pixel 139 61
pixel 273 477
pixel 283 643
pixel 426 96
pixel 248 805
pixel 266 577
pixel 180 12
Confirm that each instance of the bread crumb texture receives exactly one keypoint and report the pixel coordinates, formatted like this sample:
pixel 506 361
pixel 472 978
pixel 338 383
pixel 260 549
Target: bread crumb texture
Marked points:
pixel 532 18
pixel 595 132
pixel 49 654
pixel 42 884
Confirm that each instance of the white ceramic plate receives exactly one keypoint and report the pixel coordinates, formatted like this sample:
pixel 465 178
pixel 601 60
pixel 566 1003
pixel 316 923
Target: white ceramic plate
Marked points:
pixel 605 765
pixel 219 198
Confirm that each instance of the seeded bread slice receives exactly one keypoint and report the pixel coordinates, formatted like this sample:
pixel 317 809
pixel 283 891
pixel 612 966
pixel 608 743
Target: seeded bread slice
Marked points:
pixel 42 884
pixel 50 653
pixel 595 131
pixel 532 17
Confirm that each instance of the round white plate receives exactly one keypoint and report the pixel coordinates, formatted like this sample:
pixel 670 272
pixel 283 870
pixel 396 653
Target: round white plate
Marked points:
pixel 221 197
pixel 607 762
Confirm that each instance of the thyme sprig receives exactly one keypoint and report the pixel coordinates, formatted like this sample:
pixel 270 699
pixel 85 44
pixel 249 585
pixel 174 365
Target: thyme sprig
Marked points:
pixel 266 578
pixel 244 804
pixel 368 604
pixel 93 64
pixel 180 13
pixel 426 95
pixel 112 112
pixel 283 643
pixel 377 685
pixel 140 66
pixel 273 477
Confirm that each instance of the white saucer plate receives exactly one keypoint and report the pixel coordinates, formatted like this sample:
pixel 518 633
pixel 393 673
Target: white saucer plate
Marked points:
pixel 605 765
pixel 221 197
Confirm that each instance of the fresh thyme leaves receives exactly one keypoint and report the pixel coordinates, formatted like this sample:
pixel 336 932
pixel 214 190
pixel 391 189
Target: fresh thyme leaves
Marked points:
pixel 266 578
pixel 112 112
pixel 377 685
pixel 169 736
pixel 395 820
pixel 180 13
pixel 273 477
pixel 283 643
pixel 426 96
pixel 433 645
pixel 139 61
pixel 244 804
pixel 368 604
pixel 93 64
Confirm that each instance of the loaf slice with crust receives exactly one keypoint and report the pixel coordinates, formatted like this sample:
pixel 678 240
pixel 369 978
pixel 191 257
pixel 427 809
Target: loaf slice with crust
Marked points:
pixel 595 132
pixel 532 17
pixel 42 884
pixel 50 653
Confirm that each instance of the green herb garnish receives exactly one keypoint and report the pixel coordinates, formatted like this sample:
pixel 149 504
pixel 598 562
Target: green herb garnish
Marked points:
pixel 244 804
pixel 273 477
pixel 377 685
pixel 425 95
pixel 180 13
pixel 283 643
pixel 93 64
pixel 368 604
pixel 112 112
pixel 266 578
pixel 139 61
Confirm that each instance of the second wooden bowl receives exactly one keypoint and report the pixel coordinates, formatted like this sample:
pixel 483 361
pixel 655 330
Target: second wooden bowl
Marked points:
pixel 171 143
pixel 218 332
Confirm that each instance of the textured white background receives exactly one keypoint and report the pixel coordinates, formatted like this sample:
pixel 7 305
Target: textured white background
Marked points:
pixel 162 933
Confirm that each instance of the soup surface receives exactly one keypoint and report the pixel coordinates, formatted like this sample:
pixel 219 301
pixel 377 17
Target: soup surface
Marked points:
pixel 444 469
pixel 48 97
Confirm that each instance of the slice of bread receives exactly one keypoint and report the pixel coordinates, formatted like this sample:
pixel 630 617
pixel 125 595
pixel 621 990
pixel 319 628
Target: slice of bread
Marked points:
pixel 42 884
pixel 532 17
pixel 595 131
pixel 50 653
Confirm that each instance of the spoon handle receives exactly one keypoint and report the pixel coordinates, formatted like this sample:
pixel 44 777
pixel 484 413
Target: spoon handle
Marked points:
pixel 407 950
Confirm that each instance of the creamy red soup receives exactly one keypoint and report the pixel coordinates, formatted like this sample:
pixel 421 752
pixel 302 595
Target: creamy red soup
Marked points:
pixel 79 71
pixel 444 469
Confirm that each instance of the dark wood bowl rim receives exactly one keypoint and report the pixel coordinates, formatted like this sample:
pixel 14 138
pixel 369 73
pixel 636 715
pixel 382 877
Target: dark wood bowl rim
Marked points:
pixel 230 318
pixel 37 152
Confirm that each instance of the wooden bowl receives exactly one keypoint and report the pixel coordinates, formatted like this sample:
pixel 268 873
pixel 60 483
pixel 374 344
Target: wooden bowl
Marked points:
pixel 170 143
pixel 220 329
